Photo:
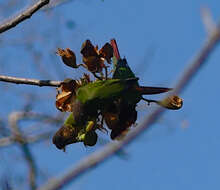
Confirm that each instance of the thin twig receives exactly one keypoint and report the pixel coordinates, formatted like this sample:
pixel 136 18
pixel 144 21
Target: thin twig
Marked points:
pixel 96 76
pixel 110 149
pixel 23 140
pixel 36 82
pixel 23 15
pixel 11 139
pixel 13 120
pixel 7 141
pixel 32 166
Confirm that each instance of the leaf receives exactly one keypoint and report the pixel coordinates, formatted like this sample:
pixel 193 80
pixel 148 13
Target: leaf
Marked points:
pixel 91 57
pixel 88 49
pixel 68 57
pixel 106 52
pixel 93 63
pixel 66 94
pixel 94 59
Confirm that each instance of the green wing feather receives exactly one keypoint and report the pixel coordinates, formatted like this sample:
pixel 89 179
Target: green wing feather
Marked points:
pixel 100 91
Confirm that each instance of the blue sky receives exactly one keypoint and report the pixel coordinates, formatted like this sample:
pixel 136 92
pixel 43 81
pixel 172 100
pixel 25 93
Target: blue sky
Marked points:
pixel 181 151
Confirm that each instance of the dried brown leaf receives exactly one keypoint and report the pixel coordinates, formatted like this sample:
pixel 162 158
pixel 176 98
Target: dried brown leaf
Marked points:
pixel 66 94
pixel 106 52
pixel 68 57
pixel 94 59
pixel 93 64
pixel 88 49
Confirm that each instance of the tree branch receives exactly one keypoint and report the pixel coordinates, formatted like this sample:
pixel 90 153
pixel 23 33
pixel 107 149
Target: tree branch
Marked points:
pixel 7 141
pixel 23 15
pixel 18 137
pixel 23 115
pixel 36 82
pixel 110 149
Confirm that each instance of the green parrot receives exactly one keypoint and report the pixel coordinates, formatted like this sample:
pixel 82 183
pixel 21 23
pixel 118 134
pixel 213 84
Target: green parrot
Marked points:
pixel 117 96
pixel 123 84
pixel 114 99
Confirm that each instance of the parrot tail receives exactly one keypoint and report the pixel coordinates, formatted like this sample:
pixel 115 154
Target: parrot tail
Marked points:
pixel 147 90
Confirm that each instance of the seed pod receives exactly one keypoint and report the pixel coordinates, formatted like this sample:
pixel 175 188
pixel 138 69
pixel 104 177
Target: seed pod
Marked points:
pixel 90 138
pixel 68 57
pixel 171 102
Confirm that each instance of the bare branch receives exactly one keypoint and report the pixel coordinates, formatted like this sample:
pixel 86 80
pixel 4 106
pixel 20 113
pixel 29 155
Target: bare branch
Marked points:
pixel 9 140
pixel 36 82
pixel 209 24
pixel 23 15
pixel 111 148
pixel 17 136
pixel 5 141
pixel 13 120
pixel 32 166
